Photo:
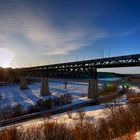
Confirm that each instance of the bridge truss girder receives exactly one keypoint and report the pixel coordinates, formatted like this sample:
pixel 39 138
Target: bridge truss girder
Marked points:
pixel 80 69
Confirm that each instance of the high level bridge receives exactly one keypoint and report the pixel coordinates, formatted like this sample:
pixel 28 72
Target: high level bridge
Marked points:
pixel 77 70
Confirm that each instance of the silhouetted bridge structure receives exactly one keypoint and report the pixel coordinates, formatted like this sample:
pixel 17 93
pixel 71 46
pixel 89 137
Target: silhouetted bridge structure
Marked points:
pixel 77 70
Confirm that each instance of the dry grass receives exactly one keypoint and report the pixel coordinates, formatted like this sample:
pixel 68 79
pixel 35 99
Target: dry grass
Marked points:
pixel 121 123
pixel 133 98
pixel 133 95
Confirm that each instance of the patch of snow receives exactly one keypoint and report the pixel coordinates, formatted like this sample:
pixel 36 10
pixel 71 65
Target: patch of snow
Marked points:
pixel 134 89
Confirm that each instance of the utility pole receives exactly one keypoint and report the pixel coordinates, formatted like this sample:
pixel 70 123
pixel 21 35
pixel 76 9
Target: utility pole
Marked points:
pixel 109 53
pixel 83 57
pixel 102 53
pixel 76 57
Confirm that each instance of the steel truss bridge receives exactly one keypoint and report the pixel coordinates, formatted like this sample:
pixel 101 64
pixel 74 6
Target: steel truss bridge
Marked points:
pixel 79 69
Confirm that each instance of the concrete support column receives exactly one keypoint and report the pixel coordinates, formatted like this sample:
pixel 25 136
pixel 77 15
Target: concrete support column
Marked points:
pixel 93 89
pixel 93 85
pixel 11 79
pixel 23 83
pixel 44 90
pixel 11 76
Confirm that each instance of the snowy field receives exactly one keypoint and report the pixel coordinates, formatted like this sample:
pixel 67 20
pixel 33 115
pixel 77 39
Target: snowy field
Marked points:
pixel 92 113
pixel 11 95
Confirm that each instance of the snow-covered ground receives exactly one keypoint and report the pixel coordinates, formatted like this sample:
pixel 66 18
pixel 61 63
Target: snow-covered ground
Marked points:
pixel 92 113
pixel 134 89
pixel 11 94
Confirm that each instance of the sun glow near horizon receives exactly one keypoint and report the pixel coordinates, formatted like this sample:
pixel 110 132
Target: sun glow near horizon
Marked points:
pixel 6 57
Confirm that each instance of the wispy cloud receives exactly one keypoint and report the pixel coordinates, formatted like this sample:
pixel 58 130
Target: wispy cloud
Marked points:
pixel 55 42
pixel 130 31
pixel 45 37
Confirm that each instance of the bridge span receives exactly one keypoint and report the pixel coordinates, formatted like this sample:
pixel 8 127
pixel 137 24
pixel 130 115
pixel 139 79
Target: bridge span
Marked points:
pixel 71 70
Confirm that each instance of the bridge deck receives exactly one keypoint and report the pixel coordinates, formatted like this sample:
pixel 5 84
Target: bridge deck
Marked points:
pixel 81 69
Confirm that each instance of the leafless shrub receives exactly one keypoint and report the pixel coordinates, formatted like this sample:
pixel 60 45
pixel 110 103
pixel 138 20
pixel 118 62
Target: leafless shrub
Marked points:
pixel 69 113
pixel 17 110
pixel 134 100
pixel 47 115
pixel 84 131
pixel 108 89
pixel 132 95
pixel 6 112
pixel 33 133
pixel 55 130
pixel 122 122
pixel 44 104
pixel 110 97
pixel 11 133
pixel 80 115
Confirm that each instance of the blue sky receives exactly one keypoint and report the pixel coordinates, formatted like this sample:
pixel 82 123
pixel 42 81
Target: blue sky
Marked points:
pixel 36 32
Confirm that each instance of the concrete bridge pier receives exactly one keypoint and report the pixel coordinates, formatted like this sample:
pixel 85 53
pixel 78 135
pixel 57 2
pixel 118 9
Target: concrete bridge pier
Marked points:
pixel 11 76
pixel 11 79
pixel 93 85
pixel 44 90
pixel 23 83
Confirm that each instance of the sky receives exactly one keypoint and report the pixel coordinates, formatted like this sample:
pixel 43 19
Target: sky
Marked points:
pixel 38 32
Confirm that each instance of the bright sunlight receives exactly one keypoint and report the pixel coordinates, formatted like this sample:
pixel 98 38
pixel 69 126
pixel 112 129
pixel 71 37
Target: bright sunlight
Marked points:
pixel 6 57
